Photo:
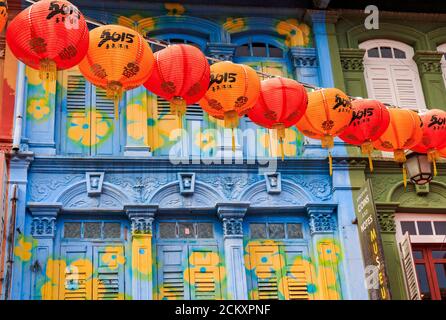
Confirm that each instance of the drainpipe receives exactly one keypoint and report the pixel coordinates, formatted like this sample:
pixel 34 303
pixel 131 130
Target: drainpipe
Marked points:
pixel 11 231
pixel 19 106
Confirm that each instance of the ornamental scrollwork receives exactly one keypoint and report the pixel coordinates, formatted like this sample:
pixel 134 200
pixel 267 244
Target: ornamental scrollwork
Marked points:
pixel 233 227
pixel 319 187
pixel 43 226
pixel 141 225
pixel 322 222
pixel 387 222
pixel 42 188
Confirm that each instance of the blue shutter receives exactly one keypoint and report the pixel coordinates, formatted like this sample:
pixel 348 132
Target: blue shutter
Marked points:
pixel 110 283
pixel 171 265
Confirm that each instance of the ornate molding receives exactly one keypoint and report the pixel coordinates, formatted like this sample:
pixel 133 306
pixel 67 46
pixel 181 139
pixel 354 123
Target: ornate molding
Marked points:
pixel 352 59
pixel 44 215
pixel 387 222
pixel 303 57
pixel 231 186
pixel 318 187
pixel 141 218
pixel 428 61
pixel 322 219
pixel 222 51
pixel 232 215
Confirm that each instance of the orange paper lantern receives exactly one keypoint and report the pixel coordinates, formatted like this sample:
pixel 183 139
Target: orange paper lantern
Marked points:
pixel 233 91
pixel 404 132
pixel 329 113
pixel 118 59
pixel 49 36
pixel 434 135
pixel 282 102
pixel 369 121
pixel 181 76
pixel 3 14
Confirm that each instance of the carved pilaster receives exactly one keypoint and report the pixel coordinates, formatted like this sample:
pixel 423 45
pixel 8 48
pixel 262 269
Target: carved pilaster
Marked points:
pixel 322 219
pixel 231 214
pixel 352 59
pixel 221 51
pixel 428 61
pixel 141 218
pixel 386 215
pixel 44 215
pixel 303 57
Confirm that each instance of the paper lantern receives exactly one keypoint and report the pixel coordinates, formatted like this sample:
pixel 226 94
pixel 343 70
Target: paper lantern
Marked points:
pixel 369 121
pixel 328 114
pixel 233 91
pixel 181 76
pixel 118 59
pixel 3 14
pixel 434 135
pixel 281 103
pixel 49 35
pixel 404 132
pixel 442 153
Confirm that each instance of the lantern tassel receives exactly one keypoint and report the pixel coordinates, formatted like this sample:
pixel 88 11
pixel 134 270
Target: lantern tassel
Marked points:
pixel 327 142
pixel 330 162
pixel 434 162
pixel 231 121
pixel 404 176
pixel 47 73
pixel 280 129
pixel 367 148
pixel 370 162
pixel 114 92
pixel 432 156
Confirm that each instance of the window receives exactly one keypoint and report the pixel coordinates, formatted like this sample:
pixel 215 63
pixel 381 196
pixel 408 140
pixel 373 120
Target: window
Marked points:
pixel 258 49
pixel 89 125
pixel 272 230
pixel 442 49
pixel 168 40
pixel 91 230
pixel 391 74
pixel 430 265
pixel 186 230
pixel 423 228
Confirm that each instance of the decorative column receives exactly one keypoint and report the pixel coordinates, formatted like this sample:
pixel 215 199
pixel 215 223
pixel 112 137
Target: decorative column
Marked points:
pixel 141 218
pixel 43 229
pixel 326 250
pixel 386 219
pixel 305 64
pixel 429 67
pixel 232 215
pixel 352 64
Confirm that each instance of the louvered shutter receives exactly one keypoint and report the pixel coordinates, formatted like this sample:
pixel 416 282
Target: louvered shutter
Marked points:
pixel 75 110
pixel 171 265
pixel 265 272
pixel 75 278
pixel 379 84
pixel 408 266
pixel 297 275
pixel 407 86
pixel 166 123
pixel 110 275
pixel 204 273
pixel 104 115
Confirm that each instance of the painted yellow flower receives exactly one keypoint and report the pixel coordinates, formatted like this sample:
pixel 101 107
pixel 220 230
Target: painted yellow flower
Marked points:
pixel 329 252
pixel 113 257
pixel 205 140
pixel 136 121
pixel 138 23
pixel 143 257
pixel 297 34
pixel 23 249
pixel 33 79
pixel 174 9
pixel 38 108
pixel 234 25
pixel 90 129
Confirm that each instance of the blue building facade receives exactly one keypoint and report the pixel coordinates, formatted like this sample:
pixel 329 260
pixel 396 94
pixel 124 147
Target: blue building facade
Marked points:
pixel 127 209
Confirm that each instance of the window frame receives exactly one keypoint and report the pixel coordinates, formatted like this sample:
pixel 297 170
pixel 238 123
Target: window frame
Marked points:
pixel 419 239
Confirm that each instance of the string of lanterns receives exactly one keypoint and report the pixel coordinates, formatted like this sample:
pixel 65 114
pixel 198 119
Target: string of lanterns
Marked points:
pixel 52 35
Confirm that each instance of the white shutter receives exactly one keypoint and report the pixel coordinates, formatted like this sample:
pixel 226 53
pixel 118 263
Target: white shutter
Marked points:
pixel 379 84
pixel 408 266
pixel 407 86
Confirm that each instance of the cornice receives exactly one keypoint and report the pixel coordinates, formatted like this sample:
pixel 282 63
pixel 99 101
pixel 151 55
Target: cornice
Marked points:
pixel 406 16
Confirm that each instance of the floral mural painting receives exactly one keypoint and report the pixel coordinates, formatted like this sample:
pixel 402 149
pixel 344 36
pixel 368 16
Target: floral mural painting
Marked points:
pixel 113 257
pixel 234 24
pixel 174 9
pixel 297 34
pixel 89 129
pixel 23 248
pixel 38 109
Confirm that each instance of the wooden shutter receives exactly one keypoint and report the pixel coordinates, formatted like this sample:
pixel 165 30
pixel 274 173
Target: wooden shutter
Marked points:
pixel 166 123
pixel 407 86
pixel 74 278
pixel 408 266
pixel 77 102
pixel 204 273
pixel 297 274
pixel 265 265
pixel 379 84
pixel 110 277
pixel 171 264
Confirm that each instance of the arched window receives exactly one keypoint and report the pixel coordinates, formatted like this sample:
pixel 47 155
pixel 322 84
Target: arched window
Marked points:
pixel 442 48
pixel 391 74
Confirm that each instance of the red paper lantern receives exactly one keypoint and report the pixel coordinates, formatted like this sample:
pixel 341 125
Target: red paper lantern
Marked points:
pixel 49 35
pixel 3 14
pixel 370 120
pixel 181 75
pixel 434 135
pixel 281 104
